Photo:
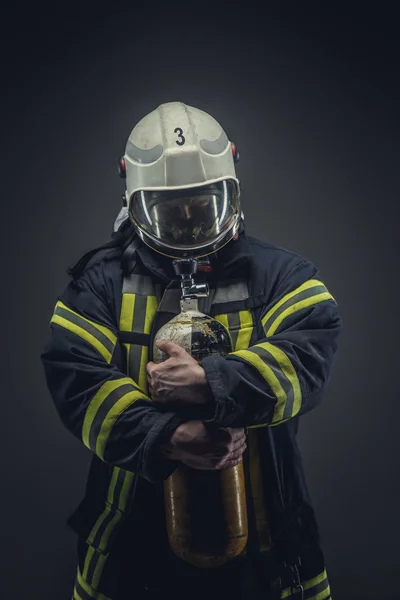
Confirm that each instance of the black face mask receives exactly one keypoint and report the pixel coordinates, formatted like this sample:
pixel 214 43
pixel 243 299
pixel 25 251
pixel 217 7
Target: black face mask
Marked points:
pixel 227 262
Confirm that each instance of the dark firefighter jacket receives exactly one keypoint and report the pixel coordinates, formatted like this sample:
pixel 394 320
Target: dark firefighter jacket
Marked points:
pixel 284 326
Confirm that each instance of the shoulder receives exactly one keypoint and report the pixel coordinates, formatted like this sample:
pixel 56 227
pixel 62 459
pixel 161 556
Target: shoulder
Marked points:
pixel 104 259
pixel 278 266
pixel 99 270
pixel 107 262
pixel 94 291
pixel 272 253
pixel 287 275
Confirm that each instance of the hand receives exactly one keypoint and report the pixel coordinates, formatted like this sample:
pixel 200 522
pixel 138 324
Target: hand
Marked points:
pixel 179 379
pixel 192 444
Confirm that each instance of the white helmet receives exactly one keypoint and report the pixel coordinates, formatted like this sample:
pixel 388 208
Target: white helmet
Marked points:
pixel 182 193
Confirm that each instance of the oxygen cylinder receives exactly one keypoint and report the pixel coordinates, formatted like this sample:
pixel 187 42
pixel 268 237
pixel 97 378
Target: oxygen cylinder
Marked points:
pixel 205 510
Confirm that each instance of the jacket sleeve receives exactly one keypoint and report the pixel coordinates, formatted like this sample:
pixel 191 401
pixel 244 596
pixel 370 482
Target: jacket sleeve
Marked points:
pixel 96 402
pixel 286 372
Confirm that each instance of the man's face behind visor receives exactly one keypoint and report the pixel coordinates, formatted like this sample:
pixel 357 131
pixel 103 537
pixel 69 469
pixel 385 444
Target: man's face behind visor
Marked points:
pixel 187 218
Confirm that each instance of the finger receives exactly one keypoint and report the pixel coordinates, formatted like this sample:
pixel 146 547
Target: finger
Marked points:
pixel 150 367
pixel 237 433
pixel 231 463
pixel 236 454
pixel 232 456
pixel 170 348
pixel 228 441
pixel 226 448
pixel 238 444
pixel 231 434
pixel 227 464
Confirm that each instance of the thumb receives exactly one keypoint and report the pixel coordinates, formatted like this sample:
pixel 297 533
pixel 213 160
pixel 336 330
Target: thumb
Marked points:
pixel 169 347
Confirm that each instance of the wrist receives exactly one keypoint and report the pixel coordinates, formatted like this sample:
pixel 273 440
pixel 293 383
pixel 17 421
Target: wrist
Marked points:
pixel 177 437
pixel 170 448
pixel 167 441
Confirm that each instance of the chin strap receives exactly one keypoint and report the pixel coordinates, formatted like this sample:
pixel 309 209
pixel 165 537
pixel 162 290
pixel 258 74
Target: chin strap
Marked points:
pixel 128 260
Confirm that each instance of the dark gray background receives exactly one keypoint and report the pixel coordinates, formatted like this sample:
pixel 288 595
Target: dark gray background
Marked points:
pixel 311 97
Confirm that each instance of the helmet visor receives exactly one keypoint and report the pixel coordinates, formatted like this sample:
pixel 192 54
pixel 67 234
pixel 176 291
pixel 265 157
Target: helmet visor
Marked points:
pixel 189 218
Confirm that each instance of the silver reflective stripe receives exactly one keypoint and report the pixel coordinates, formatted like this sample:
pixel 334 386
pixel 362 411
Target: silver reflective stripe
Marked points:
pixel 138 284
pixel 234 327
pixel 231 292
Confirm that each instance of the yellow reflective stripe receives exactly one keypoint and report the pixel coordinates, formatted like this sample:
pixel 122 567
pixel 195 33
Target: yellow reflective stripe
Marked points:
pixel 288 369
pixel 295 308
pixel 117 408
pixel 127 308
pixel 308 285
pixel 96 402
pixel 246 329
pixel 76 596
pixel 243 335
pixel 99 568
pixel 104 330
pixel 106 354
pixel 137 314
pixel 315 581
pixel 304 286
pixel 307 585
pixel 89 590
pixel 246 318
pixel 267 373
pixel 322 595
pixel 98 571
pixel 108 508
pixel 113 482
pixel 109 529
pixel 83 333
pixel 150 312
pixel 88 558
pixel 268 424
pixel 117 505
pixel 223 319
pixel 126 489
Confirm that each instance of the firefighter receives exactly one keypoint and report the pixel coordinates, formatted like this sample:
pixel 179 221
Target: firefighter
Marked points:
pixel 140 420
